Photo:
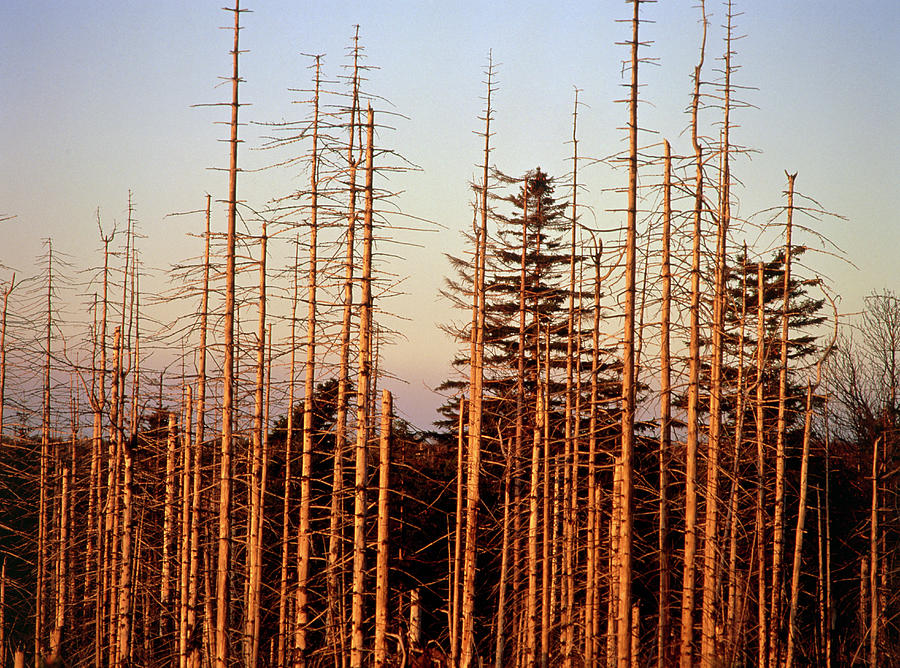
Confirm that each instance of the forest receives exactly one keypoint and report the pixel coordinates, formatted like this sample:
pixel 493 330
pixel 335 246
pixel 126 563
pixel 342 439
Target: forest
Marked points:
pixel 660 444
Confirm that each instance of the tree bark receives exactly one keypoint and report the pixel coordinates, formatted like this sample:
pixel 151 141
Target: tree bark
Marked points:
pixel 381 560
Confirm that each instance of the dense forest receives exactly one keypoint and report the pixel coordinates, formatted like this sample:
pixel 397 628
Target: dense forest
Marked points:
pixel 661 444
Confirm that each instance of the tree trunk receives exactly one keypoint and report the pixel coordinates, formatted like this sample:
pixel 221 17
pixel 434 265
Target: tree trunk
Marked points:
pixel 693 438
pixel 628 364
pixel 223 567
pixel 663 640
pixel 475 395
pixel 781 434
pixel 309 387
pixel 381 560
pixel 362 410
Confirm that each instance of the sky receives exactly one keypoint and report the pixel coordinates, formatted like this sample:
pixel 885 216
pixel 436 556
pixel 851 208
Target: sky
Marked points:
pixel 99 98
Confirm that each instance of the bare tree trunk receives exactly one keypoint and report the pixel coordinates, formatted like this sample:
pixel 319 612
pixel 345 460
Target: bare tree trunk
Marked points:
pixel 874 616
pixel 592 594
pixel 615 531
pixel 549 516
pixel 42 547
pixel 801 525
pixel 257 467
pixel 223 565
pixel 362 410
pixel 123 650
pixel 184 551
pixel 456 567
pixel 760 540
pixel 288 466
pixel 168 531
pixel 709 642
pixel 690 530
pixel 628 363
pixel 475 395
pixel 570 492
pixel 381 560
pixel 781 434
pixel 309 387
pixel 663 641
pixel 533 519
pixel 197 483
pixel 336 583
pixel 504 558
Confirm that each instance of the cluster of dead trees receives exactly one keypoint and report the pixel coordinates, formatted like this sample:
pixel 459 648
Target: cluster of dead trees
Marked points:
pixel 658 450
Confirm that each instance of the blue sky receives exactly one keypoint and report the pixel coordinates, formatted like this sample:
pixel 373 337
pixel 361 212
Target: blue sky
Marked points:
pixel 96 100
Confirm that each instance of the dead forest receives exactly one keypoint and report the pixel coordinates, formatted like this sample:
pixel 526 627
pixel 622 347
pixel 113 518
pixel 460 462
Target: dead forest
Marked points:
pixel 662 444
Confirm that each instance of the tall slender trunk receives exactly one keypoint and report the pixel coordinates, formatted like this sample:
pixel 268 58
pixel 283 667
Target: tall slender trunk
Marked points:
pixel 615 532
pixel 533 521
pixel 693 437
pixel 760 540
pixel 592 571
pixel 184 546
pixel 288 469
pixel 663 641
pixel 456 566
pixel 381 560
pixel 709 643
pixel 731 614
pixel 628 362
pixel 43 500
pixel 548 515
pixel 362 411
pixel 780 437
pixel 197 483
pixel 309 386
pixel 570 492
pixel 874 615
pixel 168 534
pixel 500 640
pixel 257 467
pixel 335 577
pixel 473 499
pixel 801 526
pixel 223 565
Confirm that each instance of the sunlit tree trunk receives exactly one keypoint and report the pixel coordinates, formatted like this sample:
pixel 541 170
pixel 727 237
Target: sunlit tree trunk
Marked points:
pixel 288 469
pixel 780 436
pixel 593 584
pixel 504 558
pixel 223 566
pixel 456 566
pixel 362 411
pixel 184 545
pixel 690 511
pixel 381 560
pixel 628 364
pixel 663 642
pixel 709 644
pixel 874 615
pixel 762 617
pixel 309 386
pixel 335 577
pixel 257 467
pixel 473 500
pixel 43 482
pixel 570 492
